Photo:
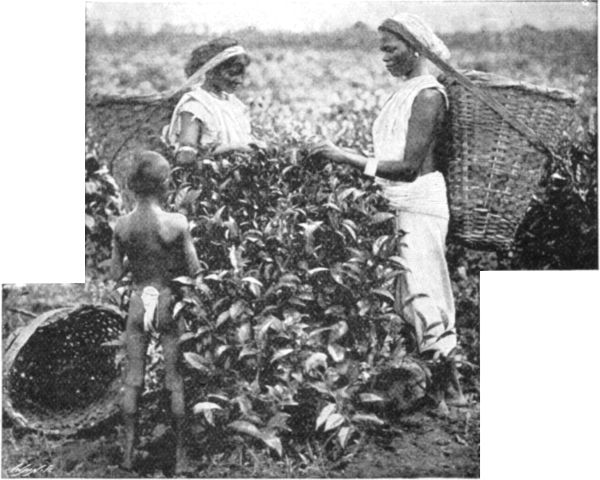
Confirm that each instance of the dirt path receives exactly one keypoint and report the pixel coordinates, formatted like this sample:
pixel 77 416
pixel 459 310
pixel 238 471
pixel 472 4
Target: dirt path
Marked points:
pixel 423 446
pixel 418 445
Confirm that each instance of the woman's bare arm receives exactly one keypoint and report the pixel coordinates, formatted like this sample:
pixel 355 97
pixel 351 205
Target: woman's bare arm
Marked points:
pixel 189 134
pixel 426 115
pixel 427 112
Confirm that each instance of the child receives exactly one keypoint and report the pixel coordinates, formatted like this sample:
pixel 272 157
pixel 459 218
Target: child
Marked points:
pixel 158 247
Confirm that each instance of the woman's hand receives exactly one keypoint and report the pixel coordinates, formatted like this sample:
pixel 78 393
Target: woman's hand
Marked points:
pixel 258 144
pixel 237 147
pixel 327 150
pixel 186 157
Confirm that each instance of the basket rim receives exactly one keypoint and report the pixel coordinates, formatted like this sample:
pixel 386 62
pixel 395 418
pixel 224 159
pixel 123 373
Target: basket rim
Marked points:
pixel 493 80
pixel 19 338
pixel 101 99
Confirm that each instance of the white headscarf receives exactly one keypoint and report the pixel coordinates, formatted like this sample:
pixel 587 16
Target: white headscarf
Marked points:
pixel 420 30
pixel 198 77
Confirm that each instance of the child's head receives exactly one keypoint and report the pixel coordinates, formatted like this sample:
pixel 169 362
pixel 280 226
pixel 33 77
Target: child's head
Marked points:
pixel 149 174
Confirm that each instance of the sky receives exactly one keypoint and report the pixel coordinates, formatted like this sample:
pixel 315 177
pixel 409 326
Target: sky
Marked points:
pixel 314 15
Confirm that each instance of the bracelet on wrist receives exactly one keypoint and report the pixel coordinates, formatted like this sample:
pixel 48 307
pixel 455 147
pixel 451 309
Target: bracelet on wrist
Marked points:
pixel 371 167
pixel 187 148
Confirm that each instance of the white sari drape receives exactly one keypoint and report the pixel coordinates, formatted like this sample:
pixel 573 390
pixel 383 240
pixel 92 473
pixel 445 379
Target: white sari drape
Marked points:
pixel 225 119
pixel 422 213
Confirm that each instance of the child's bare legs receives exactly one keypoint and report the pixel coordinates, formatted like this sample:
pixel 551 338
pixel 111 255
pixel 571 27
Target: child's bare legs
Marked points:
pixel 130 402
pixel 182 464
pixel 174 383
pixel 136 344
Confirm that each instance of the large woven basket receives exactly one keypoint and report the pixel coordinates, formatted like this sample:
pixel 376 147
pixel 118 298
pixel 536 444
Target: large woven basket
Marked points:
pixel 118 125
pixel 493 170
pixel 58 377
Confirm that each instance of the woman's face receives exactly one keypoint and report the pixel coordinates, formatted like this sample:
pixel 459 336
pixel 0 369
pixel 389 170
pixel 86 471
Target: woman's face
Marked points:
pixel 398 57
pixel 229 76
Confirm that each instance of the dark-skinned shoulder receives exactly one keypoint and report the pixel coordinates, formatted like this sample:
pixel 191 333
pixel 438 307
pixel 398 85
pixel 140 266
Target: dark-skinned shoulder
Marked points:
pixel 429 103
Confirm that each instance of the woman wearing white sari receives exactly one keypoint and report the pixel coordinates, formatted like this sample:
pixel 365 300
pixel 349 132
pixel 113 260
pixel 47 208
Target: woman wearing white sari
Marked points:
pixel 404 138
pixel 209 118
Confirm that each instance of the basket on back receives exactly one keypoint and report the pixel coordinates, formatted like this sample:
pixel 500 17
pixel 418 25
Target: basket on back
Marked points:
pixel 493 170
pixel 59 378
pixel 118 125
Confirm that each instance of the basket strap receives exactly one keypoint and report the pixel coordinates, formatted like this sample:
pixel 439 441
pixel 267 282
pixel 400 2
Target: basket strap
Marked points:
pixel 491 102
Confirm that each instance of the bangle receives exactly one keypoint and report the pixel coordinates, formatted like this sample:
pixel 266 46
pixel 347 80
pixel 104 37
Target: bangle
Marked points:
pixel 371 167
pixel 186 148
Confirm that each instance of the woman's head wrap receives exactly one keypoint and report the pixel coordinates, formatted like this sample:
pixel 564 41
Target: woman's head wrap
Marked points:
pixel 207 57
pixel 405 22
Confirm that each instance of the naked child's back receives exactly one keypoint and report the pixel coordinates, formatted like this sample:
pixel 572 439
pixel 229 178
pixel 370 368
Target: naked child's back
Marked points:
pixel 157 244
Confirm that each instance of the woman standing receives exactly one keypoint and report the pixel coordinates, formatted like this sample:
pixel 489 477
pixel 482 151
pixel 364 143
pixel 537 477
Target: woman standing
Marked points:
pixel 210 118
pixel 404 139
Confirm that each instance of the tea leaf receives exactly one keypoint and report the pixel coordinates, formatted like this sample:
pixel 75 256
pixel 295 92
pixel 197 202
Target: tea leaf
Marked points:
pixel 334 421
pixel 383 293
pixel 281 353
pixel 185 281
pixel 380 217
pixel 370 397
pixel 314 361
pixel 338 330
pixel 326 411
pixel 247 428
pixel 196 361
pixel 186 336
pixel 273 442
pixel 203 406
pixel 223 317
pixel 367 417
pixel 337 352
pixel 399 261
pixel 344 435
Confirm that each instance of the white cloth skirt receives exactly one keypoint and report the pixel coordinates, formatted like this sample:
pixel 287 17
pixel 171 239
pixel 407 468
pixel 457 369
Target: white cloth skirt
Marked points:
pixel 422 214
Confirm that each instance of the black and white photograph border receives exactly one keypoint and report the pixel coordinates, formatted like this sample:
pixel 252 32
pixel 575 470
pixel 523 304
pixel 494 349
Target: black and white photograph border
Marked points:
pixel 330 376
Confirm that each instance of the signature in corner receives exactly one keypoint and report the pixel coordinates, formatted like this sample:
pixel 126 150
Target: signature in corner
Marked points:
pixel 25 469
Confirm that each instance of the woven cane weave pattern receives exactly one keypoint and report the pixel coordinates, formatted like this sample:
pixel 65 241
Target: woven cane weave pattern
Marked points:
pixel 492 169
pixel 117 125
pixel 58 377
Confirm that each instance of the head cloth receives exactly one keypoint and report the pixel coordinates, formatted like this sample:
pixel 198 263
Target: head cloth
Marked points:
pixel 197 78
pixel 403 22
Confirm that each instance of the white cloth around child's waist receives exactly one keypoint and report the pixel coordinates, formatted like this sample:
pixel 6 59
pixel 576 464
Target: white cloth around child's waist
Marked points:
pixel 149 298
pixel 426 195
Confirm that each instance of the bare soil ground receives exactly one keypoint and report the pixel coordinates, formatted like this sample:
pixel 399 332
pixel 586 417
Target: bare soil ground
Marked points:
pixel 416 445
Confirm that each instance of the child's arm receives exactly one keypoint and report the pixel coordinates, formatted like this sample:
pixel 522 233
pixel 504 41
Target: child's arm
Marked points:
pixel 191 257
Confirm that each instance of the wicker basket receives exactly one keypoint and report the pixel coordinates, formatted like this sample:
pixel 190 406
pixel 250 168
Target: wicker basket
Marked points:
pixel 493 170
pixel 58 378
pixel 118 125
